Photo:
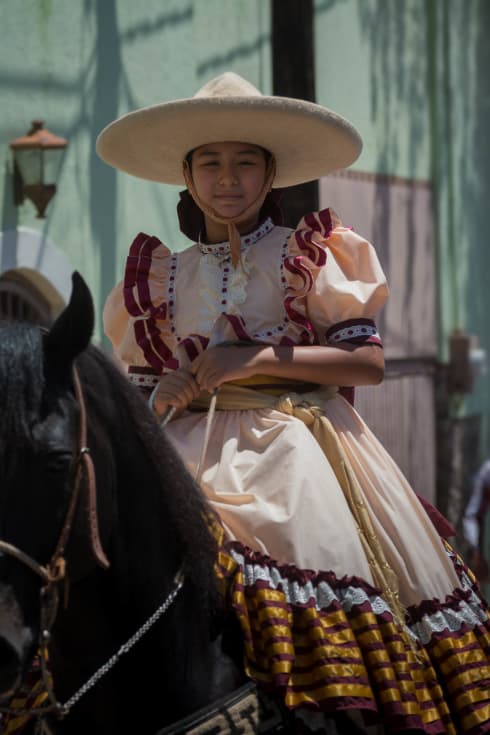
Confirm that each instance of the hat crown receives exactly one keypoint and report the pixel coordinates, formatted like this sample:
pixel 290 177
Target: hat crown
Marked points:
pixel 228 84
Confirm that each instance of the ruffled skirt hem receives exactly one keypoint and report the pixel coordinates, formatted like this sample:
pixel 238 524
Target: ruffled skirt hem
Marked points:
pixel 325 644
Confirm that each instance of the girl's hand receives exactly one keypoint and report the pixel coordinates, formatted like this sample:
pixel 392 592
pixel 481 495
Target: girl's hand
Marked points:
pixel 178 389
pixel 218 365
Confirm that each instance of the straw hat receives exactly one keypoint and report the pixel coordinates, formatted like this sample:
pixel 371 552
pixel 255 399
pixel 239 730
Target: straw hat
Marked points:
pixel 307 140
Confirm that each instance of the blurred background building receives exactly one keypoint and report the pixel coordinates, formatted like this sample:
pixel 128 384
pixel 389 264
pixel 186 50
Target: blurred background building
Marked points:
pixel 412 75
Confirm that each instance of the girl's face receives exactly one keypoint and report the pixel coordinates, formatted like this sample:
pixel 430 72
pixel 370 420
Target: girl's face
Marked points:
pixel 229 176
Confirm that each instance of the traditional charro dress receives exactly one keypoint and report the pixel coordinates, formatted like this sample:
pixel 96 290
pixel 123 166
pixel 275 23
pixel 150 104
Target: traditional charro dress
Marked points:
pixel 346 595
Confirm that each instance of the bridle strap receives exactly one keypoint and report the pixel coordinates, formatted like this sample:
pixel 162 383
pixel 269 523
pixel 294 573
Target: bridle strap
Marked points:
pixel 84 462
pixel 54 572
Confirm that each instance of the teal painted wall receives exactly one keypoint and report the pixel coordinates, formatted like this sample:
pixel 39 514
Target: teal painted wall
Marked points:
pixel 463 178
pixel 371 66
pixel 412 75
pixel 80 64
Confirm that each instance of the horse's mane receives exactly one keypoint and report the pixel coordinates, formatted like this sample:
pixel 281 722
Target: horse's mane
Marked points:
pixel 21 385
pixel 108 393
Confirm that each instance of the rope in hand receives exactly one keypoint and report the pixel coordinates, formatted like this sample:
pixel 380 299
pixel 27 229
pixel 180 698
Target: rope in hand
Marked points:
pixel 207 434
pixel 168 415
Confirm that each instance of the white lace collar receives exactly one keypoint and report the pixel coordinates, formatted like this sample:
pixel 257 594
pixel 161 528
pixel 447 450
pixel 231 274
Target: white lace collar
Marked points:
pixel 223 248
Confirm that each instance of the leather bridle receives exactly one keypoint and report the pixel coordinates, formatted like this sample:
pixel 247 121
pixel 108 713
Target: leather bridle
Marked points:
pixel 55 571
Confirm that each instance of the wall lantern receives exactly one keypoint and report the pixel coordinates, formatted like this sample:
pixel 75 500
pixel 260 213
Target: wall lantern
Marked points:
pixel 37 158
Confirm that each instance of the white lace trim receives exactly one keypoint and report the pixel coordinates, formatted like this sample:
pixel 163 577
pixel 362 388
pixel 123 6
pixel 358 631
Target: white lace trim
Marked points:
pixel 237 292
pixel 296 593
pixel 469 613
pixel 227 283
pixel 143 380
pixel 356 330
pixel 217 277
pixel 210 279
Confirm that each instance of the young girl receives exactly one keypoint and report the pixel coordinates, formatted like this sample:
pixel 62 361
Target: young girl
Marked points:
pixel 346 595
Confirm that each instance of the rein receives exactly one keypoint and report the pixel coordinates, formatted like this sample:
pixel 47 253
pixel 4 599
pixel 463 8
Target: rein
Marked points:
pixel 55 572
pixel 83 463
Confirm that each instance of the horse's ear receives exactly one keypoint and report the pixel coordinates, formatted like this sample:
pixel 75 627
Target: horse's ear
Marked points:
pixel 72 331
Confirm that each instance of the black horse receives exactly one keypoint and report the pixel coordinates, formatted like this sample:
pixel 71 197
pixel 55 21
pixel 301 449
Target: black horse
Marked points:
pixel 152 522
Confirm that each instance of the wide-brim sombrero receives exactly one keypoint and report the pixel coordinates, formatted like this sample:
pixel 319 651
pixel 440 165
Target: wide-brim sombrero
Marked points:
pixel 307 140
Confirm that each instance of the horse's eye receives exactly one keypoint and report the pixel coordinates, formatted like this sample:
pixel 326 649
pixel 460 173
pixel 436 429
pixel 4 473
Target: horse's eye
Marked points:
pixel 56 463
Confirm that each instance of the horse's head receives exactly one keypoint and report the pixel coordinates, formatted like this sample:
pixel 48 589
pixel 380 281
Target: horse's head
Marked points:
pixel 153 522
pixel 39 444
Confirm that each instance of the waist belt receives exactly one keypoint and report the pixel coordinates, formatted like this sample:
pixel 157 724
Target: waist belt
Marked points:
pixel 260 391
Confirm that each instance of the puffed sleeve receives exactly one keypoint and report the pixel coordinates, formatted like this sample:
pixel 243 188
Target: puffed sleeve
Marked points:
pixel 135 314
pixel 336 285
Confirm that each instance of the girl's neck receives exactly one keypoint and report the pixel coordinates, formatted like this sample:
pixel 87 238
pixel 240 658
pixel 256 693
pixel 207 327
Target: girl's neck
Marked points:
pixel 216 232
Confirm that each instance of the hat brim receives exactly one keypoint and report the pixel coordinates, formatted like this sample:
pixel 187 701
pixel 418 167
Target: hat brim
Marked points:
pixel 307 140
